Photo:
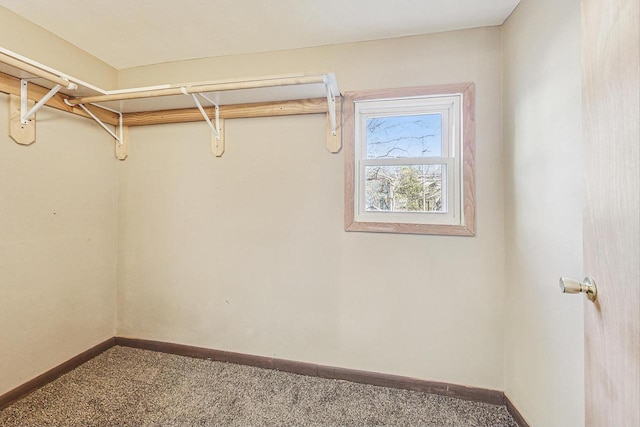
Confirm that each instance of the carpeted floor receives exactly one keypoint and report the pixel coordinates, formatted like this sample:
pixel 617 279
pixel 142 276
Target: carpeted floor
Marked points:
pixel 125 386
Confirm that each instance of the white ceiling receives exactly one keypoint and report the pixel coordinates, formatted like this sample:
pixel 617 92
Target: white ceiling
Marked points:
pixel 130 33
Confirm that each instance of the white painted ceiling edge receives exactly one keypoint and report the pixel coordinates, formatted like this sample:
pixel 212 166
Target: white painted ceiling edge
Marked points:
pixel 131 33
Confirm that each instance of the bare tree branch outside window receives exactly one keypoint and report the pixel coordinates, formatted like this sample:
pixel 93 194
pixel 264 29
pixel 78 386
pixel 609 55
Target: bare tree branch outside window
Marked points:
pixel 405 188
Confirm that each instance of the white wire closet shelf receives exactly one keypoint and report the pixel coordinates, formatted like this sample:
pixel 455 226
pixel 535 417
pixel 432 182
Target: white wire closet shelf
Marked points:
pixel 37 85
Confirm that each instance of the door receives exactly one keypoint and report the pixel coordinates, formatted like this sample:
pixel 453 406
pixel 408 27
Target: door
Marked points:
pixel 611 117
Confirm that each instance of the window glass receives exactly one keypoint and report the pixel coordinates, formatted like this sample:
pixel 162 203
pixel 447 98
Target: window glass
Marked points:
pixel 392 137
pixel 404 188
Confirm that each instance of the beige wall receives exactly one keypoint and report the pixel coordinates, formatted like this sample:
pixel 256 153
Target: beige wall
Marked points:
pixel 408 61
pixel 34 42
pixel 58 244
pixel 247 252
pixel 543 209
pixel 58 222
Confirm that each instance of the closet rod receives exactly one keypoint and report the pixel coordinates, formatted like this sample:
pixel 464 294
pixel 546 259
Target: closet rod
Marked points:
pixel 213 87
pixel 32 69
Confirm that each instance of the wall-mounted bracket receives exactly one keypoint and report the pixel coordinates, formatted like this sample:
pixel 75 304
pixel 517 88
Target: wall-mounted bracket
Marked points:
pixel 22 117
pixel 122 146
pixel 25 113
pixel 122 143
pixel 20 133
pixel 334 137
pixel 217 144
pixel 101 123
pixel 331 104
pixel 217 140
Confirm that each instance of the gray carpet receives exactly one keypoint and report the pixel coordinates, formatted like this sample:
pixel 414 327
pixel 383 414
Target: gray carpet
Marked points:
pixel 131 387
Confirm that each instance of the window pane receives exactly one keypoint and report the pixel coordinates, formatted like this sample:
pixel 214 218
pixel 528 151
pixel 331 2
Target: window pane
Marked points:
pixel 404 136
pixel 410 188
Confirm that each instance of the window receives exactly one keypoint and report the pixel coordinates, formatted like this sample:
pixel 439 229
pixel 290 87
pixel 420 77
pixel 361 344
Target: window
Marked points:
pixel 409 160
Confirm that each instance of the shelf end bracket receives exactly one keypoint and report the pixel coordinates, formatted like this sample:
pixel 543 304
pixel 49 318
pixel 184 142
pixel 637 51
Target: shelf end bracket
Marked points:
pixel 334 138
pixel 121 137
pixel 25 112
pixel 22 118
pixel 217 130
pixel 331 104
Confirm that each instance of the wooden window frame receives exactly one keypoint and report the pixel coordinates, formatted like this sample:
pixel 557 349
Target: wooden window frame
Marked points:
pixel 467 184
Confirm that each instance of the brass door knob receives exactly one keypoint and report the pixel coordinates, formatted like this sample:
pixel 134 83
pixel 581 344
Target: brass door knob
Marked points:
pixel 587 286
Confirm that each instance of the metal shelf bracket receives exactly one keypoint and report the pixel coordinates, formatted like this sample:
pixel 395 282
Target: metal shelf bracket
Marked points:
pixel 25 113
pixel 331 104
pixel 122 144
pixel 101 123
pixel 217 130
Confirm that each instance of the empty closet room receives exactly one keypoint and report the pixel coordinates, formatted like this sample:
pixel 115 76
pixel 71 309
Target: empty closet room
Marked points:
pixel 320 213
